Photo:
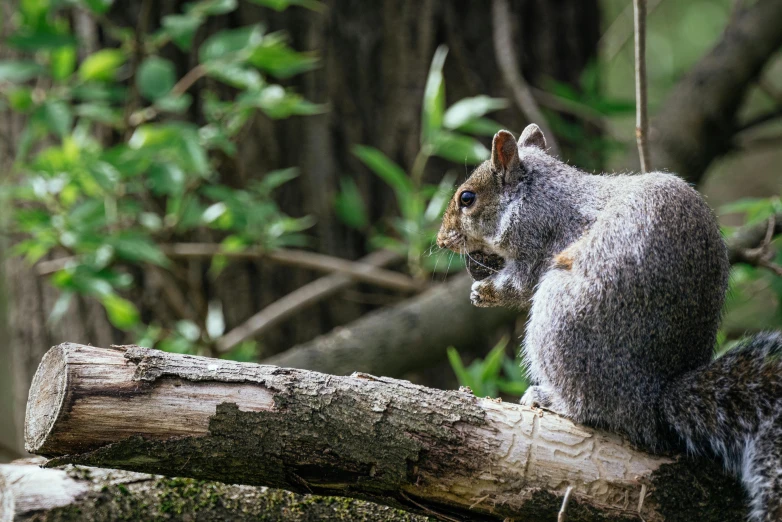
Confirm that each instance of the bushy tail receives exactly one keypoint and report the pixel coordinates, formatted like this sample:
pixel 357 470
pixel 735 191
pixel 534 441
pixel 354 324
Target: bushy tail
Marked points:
pixel 731 408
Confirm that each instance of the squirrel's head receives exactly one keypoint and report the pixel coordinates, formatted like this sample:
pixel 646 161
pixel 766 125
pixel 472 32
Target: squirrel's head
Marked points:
pixel 471 220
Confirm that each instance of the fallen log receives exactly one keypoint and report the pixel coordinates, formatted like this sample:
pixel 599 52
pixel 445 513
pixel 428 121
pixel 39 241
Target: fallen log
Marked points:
pixel 31 493
pixel 440 453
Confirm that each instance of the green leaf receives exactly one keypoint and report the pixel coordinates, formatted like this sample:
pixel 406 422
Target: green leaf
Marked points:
pixel 468 109
pixel 60 308
pixel 480 127
pixel 278 103
pixel 386 169
pixel 100 92
pixel 63 62
pixel 122 313
pixel 41 39
pixel 246 351
pixel 277 178
pixel 137 248
pixel 434 96
pixel 464 378
pixel 211 7
pixel 176 104
pixel 276 58
pixel 281 5
pixel 215 322
pixel 440 199
pixel 21 99
pixel 98 6
pixel 235 75
pixel 228 44
pixel 19 70
pixel 458 148
pixel 156 77
pixel 182 28
pixel 56 116
pixel 349 205
pixel 34 12
pixel 102 65
pixel 755 209
pixel 516 388
pixel 492 364
pixel 189 330
pixel 101 113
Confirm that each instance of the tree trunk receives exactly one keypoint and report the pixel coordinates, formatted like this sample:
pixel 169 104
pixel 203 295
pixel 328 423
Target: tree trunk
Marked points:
pixel 29 493
pixel 380 439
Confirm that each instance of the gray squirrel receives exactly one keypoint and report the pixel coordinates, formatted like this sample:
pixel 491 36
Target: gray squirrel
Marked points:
pixel 625 276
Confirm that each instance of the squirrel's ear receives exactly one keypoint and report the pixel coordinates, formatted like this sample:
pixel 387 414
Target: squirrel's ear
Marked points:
pixel 533 137
pixel 504 152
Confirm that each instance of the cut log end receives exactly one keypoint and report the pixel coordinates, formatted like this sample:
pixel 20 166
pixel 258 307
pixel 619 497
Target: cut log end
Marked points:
pixel 47 395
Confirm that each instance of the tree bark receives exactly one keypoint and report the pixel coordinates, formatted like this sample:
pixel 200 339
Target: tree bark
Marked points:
pixel 434 452
pixel 29 493
pixel 412 335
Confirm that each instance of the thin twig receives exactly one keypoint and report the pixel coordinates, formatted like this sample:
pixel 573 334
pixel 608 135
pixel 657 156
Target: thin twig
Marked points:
pixel 430 511
pixel 297 300
pixel 760 143
pixel 299 258
pixel 562 515
pixel 642 116
pixel 763 255
pixel 138 55
pixel 504 49
pixel 622 29
pixel 751 236
pixel 187 81
pixel 760 119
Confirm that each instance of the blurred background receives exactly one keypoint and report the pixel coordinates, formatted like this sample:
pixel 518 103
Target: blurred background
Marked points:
pixel 261 180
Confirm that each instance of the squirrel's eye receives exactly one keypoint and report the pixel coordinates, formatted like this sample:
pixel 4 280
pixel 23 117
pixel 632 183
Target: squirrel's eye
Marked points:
pixel 467 198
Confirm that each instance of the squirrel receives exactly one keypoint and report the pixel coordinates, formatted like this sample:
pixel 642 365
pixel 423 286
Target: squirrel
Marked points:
pixel 625 278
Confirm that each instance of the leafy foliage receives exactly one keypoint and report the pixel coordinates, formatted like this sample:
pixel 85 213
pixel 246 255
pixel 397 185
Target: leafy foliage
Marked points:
pixel 445 133
pixel 105 177
pixel 491 375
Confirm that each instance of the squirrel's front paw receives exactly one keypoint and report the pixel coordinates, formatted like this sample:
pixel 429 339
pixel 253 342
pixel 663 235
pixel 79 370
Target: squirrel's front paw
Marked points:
pixel 484 294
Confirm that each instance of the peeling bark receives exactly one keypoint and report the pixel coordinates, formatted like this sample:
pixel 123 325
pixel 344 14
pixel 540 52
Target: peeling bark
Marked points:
pixel 379 439
pixel 29 493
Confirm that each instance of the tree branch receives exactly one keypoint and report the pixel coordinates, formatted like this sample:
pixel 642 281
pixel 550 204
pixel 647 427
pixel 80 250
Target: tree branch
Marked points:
pixel 641 103
pixel 412 335
pixel 504 50
pixel 752 244
pixel 697 122
pixel 440 453
pixel 32 494
pixel 298 258
pixel 297 300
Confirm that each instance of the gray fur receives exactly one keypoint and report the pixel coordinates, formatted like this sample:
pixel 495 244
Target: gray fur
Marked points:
pixel 626 278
